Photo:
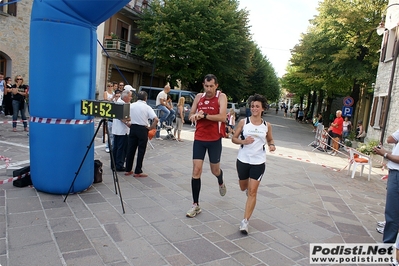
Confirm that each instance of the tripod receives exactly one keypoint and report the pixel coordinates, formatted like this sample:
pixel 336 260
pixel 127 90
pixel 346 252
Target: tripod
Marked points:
pixel 103 122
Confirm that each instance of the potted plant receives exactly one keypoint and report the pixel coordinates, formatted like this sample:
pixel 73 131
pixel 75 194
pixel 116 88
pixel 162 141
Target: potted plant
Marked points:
pixel 114 36
pixel 351 139
pixel 367 149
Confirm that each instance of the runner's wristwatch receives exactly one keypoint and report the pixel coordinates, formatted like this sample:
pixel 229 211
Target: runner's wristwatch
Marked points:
pixel 205 114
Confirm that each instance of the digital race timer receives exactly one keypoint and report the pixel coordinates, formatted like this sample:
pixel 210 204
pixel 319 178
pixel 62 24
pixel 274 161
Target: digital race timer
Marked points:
pixel 105 109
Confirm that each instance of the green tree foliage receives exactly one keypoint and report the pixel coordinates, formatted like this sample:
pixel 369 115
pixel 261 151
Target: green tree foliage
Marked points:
pixel 340 51
pixel 190 38
pixel 262 78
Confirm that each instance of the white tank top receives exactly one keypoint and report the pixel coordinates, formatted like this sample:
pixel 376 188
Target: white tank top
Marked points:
pixel 254 153
pixel 109 96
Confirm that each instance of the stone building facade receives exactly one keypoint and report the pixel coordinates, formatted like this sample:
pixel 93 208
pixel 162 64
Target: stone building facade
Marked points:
pixel 117 62
pixel 385 107
pixel 14 39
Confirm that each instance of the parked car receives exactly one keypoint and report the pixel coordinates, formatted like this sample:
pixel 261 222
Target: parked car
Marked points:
pixel 235 107
pixel 175 95
pixel 243 108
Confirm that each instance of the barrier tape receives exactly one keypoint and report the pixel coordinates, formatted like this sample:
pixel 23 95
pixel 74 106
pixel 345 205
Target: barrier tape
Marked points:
pixel 320 143
pixel 59 121
pixel 7 160
pixel 12 179
pixel 308 161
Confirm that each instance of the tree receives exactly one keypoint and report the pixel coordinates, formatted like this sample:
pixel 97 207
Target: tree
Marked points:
pixel 262 78
pixel 191 38
pixel 340 51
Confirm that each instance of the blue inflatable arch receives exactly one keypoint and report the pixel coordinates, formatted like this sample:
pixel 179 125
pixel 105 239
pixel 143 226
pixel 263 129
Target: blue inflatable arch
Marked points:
pixel 62 73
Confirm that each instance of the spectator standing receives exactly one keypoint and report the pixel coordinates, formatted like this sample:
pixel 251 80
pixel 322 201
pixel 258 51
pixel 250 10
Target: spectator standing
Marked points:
pixel 231 122
pixel 179 118
pixel 336 132
pixel 392 199
pixel 120 131
pixel 172 115
pixel 360 133
pixel 300 115
pixel 347 127
pixel 209 112
pixel 121 86
pixel 7 101
pixel 115 84
pixel 140 114
pixel 19 92
pixel 252 134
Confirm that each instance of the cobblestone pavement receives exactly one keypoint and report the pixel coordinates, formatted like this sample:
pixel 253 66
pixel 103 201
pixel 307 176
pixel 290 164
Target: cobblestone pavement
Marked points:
pixel 305 197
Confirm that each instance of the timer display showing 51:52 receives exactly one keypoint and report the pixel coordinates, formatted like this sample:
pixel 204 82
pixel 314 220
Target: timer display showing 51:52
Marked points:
pixel 105 109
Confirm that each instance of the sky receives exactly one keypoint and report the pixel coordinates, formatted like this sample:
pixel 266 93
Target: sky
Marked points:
pixel 276 26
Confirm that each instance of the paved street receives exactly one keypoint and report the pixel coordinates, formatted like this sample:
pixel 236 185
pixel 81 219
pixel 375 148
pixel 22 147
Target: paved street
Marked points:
pixel 305 197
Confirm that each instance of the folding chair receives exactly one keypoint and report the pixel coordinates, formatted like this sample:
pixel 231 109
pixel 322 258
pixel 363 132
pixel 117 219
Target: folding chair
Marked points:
pixel 358 159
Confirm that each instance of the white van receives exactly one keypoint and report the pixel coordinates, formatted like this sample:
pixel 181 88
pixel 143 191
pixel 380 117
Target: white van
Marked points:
pixel 189 97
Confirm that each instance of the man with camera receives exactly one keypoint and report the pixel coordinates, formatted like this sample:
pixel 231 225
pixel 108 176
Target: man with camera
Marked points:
pixel 392 199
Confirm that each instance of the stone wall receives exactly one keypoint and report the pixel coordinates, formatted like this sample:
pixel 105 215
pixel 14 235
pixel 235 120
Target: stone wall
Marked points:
pixel 381 88
pixel 14 40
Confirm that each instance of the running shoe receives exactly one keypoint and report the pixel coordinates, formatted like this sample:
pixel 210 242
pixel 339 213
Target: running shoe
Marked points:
pixel 222 189
pixel 193 211
pixel 381 224
pixel 380 230
pixel 244 226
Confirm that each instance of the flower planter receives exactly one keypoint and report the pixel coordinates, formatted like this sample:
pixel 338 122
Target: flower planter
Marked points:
pixel 376 160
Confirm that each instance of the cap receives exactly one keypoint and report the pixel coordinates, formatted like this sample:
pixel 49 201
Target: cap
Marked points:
pixel 129 87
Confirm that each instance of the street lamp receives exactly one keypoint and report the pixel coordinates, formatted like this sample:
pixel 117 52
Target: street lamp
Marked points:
pixel 381 27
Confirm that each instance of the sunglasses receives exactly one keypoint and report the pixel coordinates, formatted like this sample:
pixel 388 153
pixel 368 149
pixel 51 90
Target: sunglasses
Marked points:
pixel 19 79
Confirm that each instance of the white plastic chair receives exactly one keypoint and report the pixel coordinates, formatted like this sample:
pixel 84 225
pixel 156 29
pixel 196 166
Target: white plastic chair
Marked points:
pixel 358 159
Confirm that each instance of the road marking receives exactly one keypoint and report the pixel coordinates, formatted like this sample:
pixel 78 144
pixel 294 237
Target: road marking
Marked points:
pixel 15 144
pixel 15 164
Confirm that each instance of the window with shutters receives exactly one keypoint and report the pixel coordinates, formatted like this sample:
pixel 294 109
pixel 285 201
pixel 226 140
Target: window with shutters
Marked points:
pixel 388 45
pixel 9 7
pixel 122 30
pixel 378 112
pixel 384 46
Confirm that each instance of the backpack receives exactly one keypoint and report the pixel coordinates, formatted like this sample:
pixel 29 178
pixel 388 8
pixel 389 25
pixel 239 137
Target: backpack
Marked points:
pixel 98 171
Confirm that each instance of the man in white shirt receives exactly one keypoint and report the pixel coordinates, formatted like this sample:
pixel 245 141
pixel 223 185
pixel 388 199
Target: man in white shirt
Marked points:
pixel 140 113
pixel 392 199
pixel 161 104
pixel 120 131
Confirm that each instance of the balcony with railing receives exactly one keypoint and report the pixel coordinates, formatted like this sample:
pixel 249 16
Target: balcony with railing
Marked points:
pixel 119 48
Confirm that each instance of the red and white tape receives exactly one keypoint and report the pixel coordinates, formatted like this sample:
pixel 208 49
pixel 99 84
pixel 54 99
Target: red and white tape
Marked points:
pixel 12 179
pixel 7 160
pixel 59 121
pixel 308 161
